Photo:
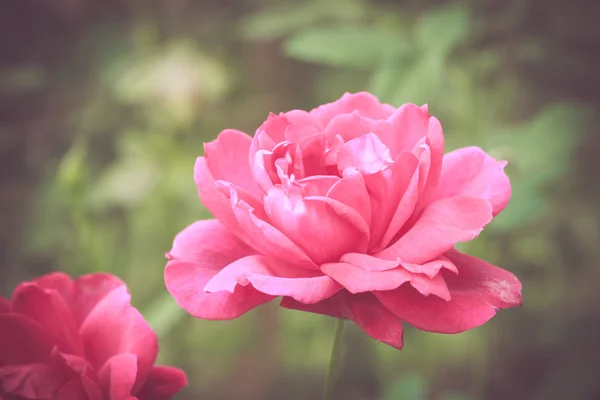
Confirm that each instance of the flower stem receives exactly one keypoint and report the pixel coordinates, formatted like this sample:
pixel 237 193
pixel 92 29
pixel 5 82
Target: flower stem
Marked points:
pixel 334 360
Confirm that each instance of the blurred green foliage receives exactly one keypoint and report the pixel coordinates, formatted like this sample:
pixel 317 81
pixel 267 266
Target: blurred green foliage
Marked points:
pixel 123 188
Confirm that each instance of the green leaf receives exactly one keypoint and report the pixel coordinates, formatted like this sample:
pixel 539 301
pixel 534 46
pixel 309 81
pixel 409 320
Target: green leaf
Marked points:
pixel 409 388
pixel 442 28
pixel 276 22
pixel 344 46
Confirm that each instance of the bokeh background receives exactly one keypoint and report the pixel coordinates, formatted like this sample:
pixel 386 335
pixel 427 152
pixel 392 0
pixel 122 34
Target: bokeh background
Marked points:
pixel 104 106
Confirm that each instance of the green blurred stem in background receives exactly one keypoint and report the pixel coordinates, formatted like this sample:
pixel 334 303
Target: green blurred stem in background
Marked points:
pixel 334 361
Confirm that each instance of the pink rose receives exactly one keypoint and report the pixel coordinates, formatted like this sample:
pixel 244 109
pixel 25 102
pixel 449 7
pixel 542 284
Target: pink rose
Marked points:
pixel 79 340
pixel 350 210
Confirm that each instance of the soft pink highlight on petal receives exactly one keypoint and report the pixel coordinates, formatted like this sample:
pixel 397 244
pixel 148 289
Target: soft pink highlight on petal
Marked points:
pixel 226 158
pixel 315 224
pixel 471 172
pixel 118 375
pixel 275 278
pixel 88 290
pixel 199 252
pixel 351 190
pixel 477 292
pixel 163 383
pixel 365 103
pixel 442 225
pixel 114 327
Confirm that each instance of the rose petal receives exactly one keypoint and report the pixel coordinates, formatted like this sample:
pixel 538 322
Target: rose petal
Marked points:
pixel 32 381
pixel 163 383
pixel 323 228
pixel 471 172
pixel 73 390
pixel 363 309
pixel 227 158
pixel 114 327
pixel 357 280
pixel 48 308
pixel 23 340
pixel 368 262
pixel 477 292
pixel 275 278
pixel 431 268
pixel 439 228
pixel 409 124
pixel 118 376
pixel 351 190
pixel 267 239
pixel 58 281
pixel 199 252
pixel 365 103
pixel 4 305
pixel 353 125
pixel 88 290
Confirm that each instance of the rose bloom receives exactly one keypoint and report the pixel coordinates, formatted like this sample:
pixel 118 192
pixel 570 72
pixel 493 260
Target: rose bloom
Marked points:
pixel 63 339
pixel 350 210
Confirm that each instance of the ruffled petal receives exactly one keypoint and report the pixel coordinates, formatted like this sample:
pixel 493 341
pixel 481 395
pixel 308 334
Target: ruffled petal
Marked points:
pixel 353 125
pixel 324 228
pixel 441 225
pixel 227 158
pixel 199 252
pixel 363 309
pixel 365 103
pixel 48 308
pixel 275 278
pixel 114 327
pixel 471 172
pixel 477 292
pixel 163 383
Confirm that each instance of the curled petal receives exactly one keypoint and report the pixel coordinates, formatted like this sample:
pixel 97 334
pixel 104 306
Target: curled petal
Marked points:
pixel 324 228
pixel 358 280
pixel 369 263
pixel 363 309
pixel 227 159
pixel 441 225
pixel 471 172
pixel 409 124
pixel 351 190
pixel 199 252
pixel 365 103
pixel 114 327
pixel 88 290
pixel 48 308
pixel 353 125
pixel 477 292
pixel 163 383
pixel 118 375
pixel 275 278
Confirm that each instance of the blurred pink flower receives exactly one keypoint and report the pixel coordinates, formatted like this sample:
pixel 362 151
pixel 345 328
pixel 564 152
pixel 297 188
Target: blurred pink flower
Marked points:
pixel 350 210
pixel 63 339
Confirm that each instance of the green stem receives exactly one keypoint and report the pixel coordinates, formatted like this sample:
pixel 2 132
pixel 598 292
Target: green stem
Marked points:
pixel 334 360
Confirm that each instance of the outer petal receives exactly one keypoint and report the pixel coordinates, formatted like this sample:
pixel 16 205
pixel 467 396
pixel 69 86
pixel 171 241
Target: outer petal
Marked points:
pixel 58 281
pixel 163 383
pixel 363 309
pixel 471 172
pixel 199 252
pixel 365 103
pixel 118 375
pixel 49 309
pixel 439 228
pixel 114 327
pixel 73 390
pixel 358 280
pixel 23 340
pixel 409 124
pixel 324 228
pixel 275 278
pixel 4 305
pixel 477 292
pixel 227 158
pixel 88 290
